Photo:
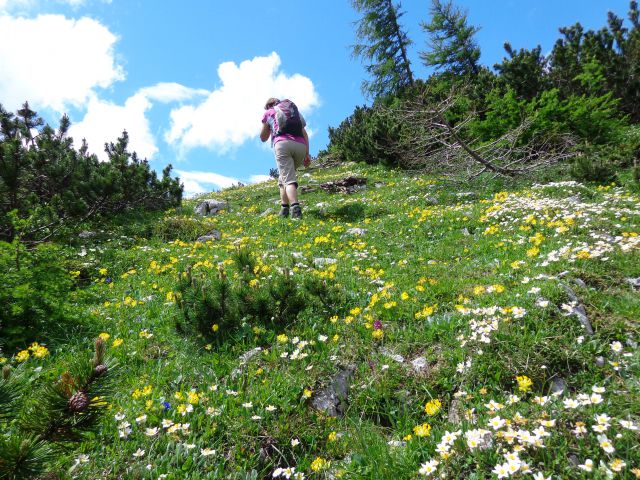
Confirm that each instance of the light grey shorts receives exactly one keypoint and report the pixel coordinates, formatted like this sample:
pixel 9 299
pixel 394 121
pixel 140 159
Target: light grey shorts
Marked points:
pixel 290 155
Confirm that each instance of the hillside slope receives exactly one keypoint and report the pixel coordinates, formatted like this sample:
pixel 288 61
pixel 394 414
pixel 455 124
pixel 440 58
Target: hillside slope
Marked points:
pixel 410 328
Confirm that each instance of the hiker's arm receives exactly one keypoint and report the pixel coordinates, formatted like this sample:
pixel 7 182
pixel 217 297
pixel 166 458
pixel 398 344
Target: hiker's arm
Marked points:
pixel 306 139
pixel 307 158
pixel 266 131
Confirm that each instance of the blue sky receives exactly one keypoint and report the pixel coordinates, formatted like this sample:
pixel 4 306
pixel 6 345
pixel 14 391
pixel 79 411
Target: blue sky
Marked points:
pixel 188 79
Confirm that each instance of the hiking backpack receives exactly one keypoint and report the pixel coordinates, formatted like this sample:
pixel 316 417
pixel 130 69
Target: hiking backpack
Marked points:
pixel 288 118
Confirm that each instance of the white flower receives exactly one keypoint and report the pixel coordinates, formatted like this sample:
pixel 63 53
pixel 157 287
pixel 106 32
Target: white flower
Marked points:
pixel 496 423
pixel 205 452
pixel 605 444
pixel 501 470
pixel 629 425
pixel 166 423
pixel 141 419
pixel 570 403
pixel 247 405
pixel 540 476
pixel 138 453
pixel 587 466
pixel 270 408
pixel 595 398
pixel 428 468
pixel 616 347
pixel 597 389
pixel 295 442
pixel 151 432
pixel 322 338
pixel 119 416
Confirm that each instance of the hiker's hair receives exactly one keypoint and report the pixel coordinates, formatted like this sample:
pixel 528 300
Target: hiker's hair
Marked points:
pixel 271 102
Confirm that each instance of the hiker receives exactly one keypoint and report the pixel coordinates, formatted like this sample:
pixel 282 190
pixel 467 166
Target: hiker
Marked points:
pixel 286 126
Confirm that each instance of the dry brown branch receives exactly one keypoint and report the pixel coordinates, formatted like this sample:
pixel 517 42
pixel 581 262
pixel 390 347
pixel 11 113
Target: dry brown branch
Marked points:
pixel 433 143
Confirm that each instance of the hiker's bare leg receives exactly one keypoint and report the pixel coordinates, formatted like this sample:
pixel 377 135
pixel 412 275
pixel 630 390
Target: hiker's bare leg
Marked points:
pixel 284 199
pixel 291 193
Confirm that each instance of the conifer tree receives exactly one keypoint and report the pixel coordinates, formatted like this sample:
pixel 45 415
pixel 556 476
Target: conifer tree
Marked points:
pixel 451 43
pixel 384 44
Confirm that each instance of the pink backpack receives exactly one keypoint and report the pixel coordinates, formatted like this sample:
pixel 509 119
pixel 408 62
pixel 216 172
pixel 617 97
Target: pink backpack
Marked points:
pixel 288 118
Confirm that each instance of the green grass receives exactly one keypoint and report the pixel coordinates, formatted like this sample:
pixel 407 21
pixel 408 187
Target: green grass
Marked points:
pixel 495 260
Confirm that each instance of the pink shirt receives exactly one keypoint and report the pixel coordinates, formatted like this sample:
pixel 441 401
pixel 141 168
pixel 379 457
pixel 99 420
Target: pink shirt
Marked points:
pixel 270 118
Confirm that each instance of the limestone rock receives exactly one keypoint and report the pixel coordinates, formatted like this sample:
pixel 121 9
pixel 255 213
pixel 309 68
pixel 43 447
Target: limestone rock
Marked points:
pixel 213 235
pixel 332 399
pixel 210 206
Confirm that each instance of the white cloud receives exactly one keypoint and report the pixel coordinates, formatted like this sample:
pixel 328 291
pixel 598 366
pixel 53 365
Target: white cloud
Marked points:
pixel 171 92
pixel 104 121
pixel 259 178
pixel 203 182
pixel 52 61
pixel 231 114
pixel 196 182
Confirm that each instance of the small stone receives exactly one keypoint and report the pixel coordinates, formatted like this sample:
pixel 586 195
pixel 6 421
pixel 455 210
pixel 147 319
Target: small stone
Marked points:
pixel 210 206
pixel 267 212
pixel 332 399
pixel 419 363
pixel 634 282
pixel 356 231
pixel 558 386
pixel 321 262
pixel 213 235
pixel 600 361
pixel 86 234
pixel 579 282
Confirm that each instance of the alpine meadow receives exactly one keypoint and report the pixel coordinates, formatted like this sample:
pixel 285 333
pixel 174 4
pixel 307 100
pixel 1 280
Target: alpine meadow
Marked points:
pixel 460 299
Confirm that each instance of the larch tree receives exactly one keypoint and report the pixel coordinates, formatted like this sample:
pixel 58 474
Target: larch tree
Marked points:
pixel 383 46
pixel 451 42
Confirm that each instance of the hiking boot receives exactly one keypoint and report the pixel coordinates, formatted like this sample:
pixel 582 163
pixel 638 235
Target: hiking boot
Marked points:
pixel 296 212
pixel 284 212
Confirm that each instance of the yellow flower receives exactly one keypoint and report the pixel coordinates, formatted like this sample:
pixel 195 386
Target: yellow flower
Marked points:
pixel 193 397
pixel 478 290
pixel 423 430
pixel 282 338
pixel 404 296
pixel 583 254
pixel 40 352
pixel 307 393
pixel 332 437
pixel 104 336
pixel 334 319
pixel 117 342
pixel 355 311
pixel 532 252
pixel 432 407
pixel 524 383
pixel 22 355
pixel 319 464
pixel 103 271
pixel 377 334
pixel 215 327
pixel 407 438
pixel 3 360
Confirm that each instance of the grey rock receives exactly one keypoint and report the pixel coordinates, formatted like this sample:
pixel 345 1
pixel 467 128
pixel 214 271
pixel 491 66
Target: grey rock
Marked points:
pixel 86 234
pixel 600 361
pixel 393 356
pixel 321 262
pixel 332 399
pixel 212 236
pixel 579 310
pixel 243 360
pixel 356 231
pixel 429 200
pixel 267 212
pixel 210 206
pixel 378 184
pixel 455 416
pixel 419 364
pixel 573 458
pixel 634 282
pixel 579 282
pixel 558 386
pixel 465 232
